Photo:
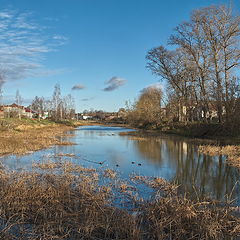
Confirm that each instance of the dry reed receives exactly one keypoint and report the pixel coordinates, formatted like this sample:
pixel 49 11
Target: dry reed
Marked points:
pixel 69 205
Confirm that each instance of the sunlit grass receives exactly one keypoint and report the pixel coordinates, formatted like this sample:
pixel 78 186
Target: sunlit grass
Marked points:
pixel 23 137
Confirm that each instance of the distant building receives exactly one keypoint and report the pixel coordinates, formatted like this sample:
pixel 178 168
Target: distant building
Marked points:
pixel 15 110
pixel 87 117
pixel 191 111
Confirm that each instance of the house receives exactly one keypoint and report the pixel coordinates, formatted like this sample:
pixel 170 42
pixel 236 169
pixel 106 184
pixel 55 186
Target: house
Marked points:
pixel 191 111
pixel 29 113
pixel 15 110
pixel 87 117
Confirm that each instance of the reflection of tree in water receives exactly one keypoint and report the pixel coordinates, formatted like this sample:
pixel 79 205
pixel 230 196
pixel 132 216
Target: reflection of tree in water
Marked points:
pixel 204 175
pixel 197 173
pixel 150 148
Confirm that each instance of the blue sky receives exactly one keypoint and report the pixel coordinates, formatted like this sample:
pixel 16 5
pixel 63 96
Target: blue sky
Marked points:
pixel 96 41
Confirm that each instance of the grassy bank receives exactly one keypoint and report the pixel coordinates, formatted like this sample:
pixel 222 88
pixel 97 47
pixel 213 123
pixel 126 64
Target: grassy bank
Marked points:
pixel 72 205
pixel 23 136
pixel 203 130
pixel 194 129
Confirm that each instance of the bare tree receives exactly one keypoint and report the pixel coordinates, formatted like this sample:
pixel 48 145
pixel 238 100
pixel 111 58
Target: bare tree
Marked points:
pixel 57 103
pixel 38 105
pixel 202 71
pixel 68 107
pixel 19 103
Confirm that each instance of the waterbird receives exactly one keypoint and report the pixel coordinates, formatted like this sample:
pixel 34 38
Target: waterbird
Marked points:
pixel 133 162
pixel 139 164
pixel 117 165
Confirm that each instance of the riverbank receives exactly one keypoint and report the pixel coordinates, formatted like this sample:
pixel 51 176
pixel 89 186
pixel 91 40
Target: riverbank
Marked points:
pixel 72 205
pixel 195 130
pixel 203 130
pixel 23 136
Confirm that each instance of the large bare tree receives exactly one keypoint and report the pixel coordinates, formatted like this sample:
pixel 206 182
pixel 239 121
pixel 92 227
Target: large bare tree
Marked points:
pixel 203 68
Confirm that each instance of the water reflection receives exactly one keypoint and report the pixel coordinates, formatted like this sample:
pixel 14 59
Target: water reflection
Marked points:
pixel 197 173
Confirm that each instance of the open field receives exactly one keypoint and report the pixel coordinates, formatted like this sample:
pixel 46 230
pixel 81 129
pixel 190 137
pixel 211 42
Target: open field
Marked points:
pixel 72 205
pixel 23 136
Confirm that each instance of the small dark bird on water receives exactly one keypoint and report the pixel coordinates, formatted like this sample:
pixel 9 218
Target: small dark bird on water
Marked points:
pixel 133 162
pixel 117 165
pixel 139 164
pixel 101 163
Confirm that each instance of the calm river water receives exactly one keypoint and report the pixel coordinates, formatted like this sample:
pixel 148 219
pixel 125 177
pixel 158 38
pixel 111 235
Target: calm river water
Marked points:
pixel 173 158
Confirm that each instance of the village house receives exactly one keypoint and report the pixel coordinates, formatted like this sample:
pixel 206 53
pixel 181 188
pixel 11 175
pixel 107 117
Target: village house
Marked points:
pixel 191 111
pixel 15 110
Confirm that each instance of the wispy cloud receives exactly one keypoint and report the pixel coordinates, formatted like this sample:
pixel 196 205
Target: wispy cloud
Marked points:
pixel 114 83
pixel 5 15
pixel 22 45
pixel 78 87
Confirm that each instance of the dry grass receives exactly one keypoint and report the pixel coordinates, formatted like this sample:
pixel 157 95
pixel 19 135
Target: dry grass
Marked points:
pixel 73 206
pixel 180 218
pixel 48 206
pixel 16 141
pixel 109 173
pixel 156 183
pixel 232 151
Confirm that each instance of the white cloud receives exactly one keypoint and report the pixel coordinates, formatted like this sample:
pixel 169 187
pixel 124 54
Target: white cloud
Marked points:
pixel 23 44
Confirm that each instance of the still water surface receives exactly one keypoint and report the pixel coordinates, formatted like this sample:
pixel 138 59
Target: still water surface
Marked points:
pixel 173 158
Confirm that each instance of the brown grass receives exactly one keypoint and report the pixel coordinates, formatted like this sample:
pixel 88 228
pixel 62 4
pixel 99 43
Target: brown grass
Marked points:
pixel 179 218
pixel 36 206
pixel 109 173
pixel 232 151
pixel 156 183
pixel 16 141
pixel 73 206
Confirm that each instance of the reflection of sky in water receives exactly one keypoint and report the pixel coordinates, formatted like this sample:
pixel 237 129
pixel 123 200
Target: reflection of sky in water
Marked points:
pixel 170 157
